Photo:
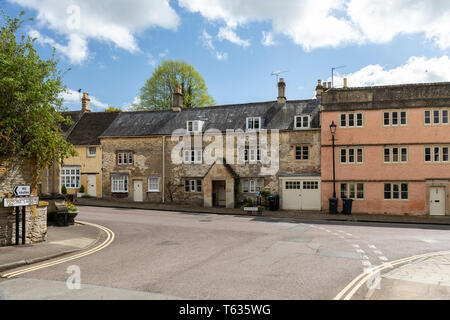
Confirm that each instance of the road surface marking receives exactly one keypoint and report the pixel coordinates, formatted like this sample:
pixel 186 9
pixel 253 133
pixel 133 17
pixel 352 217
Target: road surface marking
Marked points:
pixel 356 283
pixel 109 239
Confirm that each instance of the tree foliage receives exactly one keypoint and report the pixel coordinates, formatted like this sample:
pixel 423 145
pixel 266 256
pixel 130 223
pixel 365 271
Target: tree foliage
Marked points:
pixel 112 109
pixel 30 102
pixel 157 93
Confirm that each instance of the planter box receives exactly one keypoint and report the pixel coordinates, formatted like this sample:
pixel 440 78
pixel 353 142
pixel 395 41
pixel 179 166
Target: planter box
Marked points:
pixel 251 209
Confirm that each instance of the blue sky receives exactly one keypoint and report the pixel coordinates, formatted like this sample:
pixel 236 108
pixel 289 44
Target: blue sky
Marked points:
pixel 113 46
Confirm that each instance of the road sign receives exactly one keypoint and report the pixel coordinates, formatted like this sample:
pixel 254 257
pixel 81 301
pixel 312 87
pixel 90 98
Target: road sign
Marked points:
pixel 19 202
pixel 21 191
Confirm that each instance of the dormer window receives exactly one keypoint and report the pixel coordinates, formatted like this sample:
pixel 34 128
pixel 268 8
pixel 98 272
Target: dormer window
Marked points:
pixel 194 126
pixel 302 122
pixel 253 123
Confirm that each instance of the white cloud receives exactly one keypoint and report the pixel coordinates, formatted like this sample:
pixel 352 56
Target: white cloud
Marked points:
pixel 227 33
pixel 331 23
pixel 207 42
pixel 415 70
pixel 267 39
pixel 73 98
pixel 106 20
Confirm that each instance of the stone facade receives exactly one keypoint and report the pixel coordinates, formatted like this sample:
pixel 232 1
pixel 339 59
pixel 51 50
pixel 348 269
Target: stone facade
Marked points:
pixel 149 160
pixel 12 174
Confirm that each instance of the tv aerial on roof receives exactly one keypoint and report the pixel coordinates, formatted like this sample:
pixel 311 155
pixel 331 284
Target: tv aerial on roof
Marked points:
pixel 277 74
pixel 332 74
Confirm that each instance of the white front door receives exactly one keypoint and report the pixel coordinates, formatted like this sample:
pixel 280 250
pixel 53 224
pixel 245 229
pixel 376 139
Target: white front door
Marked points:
pixel 437 201
pixel 137 191
pixel 92 185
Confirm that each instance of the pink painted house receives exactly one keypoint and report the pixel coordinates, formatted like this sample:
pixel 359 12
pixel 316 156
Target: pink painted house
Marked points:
pixel 391 148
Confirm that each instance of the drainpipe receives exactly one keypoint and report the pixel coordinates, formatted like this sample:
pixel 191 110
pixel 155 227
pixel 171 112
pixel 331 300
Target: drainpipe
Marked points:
pixel 164 168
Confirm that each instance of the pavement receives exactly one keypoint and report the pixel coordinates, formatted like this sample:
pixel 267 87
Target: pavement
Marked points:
pixel 292 214
pixel 424 279
pixel 60 241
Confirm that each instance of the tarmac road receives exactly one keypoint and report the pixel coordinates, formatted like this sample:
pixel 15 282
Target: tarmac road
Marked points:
pixel 169 255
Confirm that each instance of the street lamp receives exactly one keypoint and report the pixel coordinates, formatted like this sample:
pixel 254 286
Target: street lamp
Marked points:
pixel 333 132
pixel 333 201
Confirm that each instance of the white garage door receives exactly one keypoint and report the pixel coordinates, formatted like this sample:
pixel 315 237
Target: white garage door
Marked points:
pixel 301 195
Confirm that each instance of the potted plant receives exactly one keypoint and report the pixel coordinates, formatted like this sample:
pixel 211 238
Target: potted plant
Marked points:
pixel 81 192
pixel 249 205
pixel 73 212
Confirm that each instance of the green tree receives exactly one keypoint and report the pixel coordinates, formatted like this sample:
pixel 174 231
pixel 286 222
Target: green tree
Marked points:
pixel 30 103
pixel 157 93
pixel 112 109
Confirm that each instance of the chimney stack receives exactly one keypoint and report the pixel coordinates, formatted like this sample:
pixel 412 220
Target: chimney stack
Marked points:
pixel 345 83
pixel 281 91
pixel 85 103
pixel 329 85
pixel 177 99
pixel 319 88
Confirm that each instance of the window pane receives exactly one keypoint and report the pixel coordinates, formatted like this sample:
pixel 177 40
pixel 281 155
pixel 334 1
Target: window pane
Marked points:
pixel 395 191
pixel 351 191
pixel 394 118
pixel 404 191
pixel 343 190
pixel 351 120
pixel 298 153
pixel 245 187
pixel 404 154
pixel 360 190
pixel 192 185
pixel 249 123
pixel 445 154
pixel 444 116
pixel 403 119
pixel 351 155
pixel 427 154
pixel 387 155
pixel 305 122
pixel 343 120
pixel 186 185
pixel 199 185
pixel 394 154
pixel 130 158
pixel 256 123
pixel 359 119
pixel 305 153
pixel 436 154
pixel 252 186
pixel 258 185
pixel 387 191
pixel 386 118
pixel 343 155
pixel 436 116
pixel 359 155
pixel 427 116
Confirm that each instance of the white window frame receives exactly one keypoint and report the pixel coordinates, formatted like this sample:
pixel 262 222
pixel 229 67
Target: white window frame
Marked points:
pixel 399 154
pixel 252 185
pixel 398 118
pixel 119 184
pixel 251 121
pixel 440 154
pixel 193 186
pixel 348 187
pixel 90 154
pixel 151 184
pixel 72 175
pixel 196 155
pixel 125 158
pixel 302 120
pixel 346 118
pixel 196 126
pixel 355 155
pixel 399 190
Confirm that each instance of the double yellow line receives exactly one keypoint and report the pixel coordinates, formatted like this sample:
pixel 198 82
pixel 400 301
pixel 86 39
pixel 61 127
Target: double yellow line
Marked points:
pixel 109 239
pixel 354 286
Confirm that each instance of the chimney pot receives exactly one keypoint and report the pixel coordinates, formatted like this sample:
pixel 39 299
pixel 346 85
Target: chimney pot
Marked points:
pixel 85 103
pixel 345 82
pixel 281 91
pixel 177 99
pixel 329 85
pixel 319 88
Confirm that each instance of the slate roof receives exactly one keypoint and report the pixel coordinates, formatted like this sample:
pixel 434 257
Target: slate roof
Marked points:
pixel 274 116
pixel 75 116
pixel 91 125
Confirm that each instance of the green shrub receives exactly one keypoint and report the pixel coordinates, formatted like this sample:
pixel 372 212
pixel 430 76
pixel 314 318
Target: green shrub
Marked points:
pixel 81 189
pixel 64 190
